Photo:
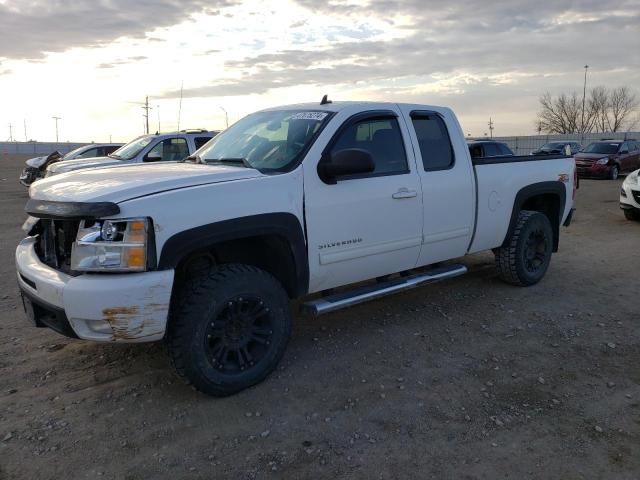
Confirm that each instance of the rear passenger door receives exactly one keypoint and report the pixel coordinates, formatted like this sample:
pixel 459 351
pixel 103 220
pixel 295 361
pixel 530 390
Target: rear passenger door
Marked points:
pixel 448 187
pixel 626 157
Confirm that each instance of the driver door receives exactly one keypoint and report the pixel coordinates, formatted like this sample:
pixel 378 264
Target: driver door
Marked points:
pixel 368 225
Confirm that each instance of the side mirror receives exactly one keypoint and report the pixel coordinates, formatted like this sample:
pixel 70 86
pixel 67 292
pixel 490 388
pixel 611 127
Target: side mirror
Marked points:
pixel 152 157
pixel 351 161
pixel 624 150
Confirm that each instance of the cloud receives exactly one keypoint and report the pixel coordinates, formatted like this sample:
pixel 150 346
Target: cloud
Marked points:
pixel 484 38
pixel 124 61
pixel 30 28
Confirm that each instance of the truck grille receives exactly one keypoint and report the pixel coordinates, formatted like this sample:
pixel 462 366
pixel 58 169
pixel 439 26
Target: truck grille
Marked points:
pixel 55 238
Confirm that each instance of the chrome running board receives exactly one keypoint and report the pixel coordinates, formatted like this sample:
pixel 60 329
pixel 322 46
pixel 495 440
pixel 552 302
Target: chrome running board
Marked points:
pixel 363 294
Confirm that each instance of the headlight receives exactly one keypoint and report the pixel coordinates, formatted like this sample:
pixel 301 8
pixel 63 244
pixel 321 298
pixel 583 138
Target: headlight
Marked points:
pixel 603 161
pixel 111 246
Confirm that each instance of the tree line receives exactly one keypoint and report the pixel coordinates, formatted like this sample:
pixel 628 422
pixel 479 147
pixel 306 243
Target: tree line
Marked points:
pixel 605 110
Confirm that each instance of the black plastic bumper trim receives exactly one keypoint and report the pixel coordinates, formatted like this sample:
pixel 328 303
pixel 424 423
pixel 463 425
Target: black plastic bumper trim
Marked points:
pixel 49 316
pixel 567 222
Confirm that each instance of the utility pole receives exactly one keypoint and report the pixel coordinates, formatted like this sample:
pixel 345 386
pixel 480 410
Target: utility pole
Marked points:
pixel 24 122
pixel 490 127
pixel 584 95
pixel 158 112
pixel 145 106
pixel 56 119
pixel 226 116
pixel 10 133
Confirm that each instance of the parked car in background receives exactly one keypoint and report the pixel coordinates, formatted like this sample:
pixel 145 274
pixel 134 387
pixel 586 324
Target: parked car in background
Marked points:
pixel 159 147
pixel 557 148
pixel 608 158
pixel 36 167
pixel 488 149
pixel 630 196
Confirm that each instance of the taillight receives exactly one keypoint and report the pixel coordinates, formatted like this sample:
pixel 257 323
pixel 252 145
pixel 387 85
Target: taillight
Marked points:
pixel 575 181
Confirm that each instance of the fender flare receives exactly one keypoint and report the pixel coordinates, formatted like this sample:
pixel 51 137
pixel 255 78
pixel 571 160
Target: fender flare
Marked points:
pixel 533 190
pixel 283 224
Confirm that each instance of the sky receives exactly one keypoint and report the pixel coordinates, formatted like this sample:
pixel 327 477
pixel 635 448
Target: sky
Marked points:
pixel 91 62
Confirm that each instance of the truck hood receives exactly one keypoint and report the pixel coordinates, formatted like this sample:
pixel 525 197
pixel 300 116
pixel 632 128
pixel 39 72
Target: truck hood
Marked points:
pixel 118 184
pixel 81 163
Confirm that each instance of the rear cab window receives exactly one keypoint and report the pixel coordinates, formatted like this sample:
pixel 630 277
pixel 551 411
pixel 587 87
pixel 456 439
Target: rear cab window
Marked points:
pixel 504 149
pixel 491 150
pixel 434 142
pixel 201 141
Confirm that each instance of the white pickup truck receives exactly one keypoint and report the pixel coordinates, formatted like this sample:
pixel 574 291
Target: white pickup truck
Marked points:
pixel 287 203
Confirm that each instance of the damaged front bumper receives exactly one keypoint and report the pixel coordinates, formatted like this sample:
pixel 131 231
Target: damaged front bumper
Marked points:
pixel 131 307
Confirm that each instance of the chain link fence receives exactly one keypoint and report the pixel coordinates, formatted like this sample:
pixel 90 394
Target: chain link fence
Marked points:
pixel 523 145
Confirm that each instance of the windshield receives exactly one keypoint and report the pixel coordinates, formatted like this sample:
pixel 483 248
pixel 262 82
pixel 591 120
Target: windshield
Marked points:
pixel 72 154
pixel 602 148
pixel 266 141
pixel 131 149
pixel 553 146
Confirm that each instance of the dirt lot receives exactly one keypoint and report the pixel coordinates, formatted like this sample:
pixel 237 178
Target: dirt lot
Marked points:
pixel 469 378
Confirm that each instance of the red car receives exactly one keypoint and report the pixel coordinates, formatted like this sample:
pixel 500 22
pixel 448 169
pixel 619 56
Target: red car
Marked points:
pixel 608 158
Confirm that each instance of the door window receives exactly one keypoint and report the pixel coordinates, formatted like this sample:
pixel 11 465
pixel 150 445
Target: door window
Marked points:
pixel 380 137
pixel 170 150
pixel 433 141
pixel 92 152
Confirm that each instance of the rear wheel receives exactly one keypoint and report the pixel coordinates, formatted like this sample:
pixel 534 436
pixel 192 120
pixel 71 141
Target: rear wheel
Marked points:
pixel 614 172
pixel 229 329
pixel 525 258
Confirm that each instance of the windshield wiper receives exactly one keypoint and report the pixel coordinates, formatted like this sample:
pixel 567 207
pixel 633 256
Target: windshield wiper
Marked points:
pixel 192 158
pixel 230 161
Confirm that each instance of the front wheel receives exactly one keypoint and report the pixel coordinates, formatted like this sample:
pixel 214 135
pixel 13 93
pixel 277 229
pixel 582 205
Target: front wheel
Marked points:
pixel 229 329
pixel 525 257
pixel 632 214
pixel 614 172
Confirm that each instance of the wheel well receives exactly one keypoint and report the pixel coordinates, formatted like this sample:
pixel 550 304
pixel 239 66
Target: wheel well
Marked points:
pixel 271 253
pixel 549 205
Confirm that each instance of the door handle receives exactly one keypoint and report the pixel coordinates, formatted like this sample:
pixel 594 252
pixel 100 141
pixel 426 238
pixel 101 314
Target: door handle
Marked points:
pixel 404 193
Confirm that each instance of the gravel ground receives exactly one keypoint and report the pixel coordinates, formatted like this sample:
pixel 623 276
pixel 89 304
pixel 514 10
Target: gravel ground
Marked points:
pixel 465 379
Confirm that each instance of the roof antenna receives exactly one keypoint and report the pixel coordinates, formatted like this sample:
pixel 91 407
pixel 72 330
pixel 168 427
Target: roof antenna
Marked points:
pixel 325 100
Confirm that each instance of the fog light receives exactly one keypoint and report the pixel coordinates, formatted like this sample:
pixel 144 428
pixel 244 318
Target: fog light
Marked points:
pixel 99 326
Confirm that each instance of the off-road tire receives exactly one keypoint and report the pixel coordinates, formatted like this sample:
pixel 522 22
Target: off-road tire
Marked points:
pixel 632 215
pixel 513 265
pixel 202 303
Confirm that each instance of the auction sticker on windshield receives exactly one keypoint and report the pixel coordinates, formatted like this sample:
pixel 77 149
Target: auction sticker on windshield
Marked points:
pixel 318 116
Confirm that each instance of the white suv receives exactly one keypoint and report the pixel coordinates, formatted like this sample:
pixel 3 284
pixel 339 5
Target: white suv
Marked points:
pixel 630 196
pixel 163 147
